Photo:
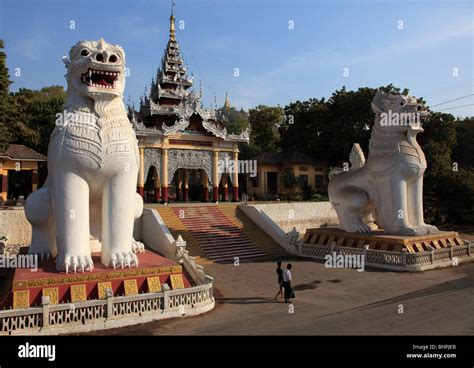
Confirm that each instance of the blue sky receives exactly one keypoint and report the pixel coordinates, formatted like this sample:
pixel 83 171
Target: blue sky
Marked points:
pixel 277 65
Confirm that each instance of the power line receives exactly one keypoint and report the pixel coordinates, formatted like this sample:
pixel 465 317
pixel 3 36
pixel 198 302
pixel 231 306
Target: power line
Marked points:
pixel 456 99
pixel 442 90
pixel 461 89
pixel 458 107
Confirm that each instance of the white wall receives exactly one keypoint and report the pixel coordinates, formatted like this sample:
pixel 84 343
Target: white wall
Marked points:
pixel 15 226
pixel 301 215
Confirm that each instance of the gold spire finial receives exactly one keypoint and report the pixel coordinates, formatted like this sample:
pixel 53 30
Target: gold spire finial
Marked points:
pixel 227 101
pixel 172 29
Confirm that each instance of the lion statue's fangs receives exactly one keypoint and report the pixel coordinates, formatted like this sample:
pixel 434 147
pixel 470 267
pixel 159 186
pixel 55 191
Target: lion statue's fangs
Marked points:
pixel 90 193
pixel 387 190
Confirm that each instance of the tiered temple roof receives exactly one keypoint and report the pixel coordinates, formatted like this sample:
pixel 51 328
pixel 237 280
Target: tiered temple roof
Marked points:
pixel 172 106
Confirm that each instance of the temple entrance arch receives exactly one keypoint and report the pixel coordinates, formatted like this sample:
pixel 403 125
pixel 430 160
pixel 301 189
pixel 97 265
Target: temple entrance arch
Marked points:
pixel 189 185
pixel 189 159
pixel 152 191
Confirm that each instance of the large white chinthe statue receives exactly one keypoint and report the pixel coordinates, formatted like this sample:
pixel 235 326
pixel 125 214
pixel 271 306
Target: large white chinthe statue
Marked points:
pixel 90 197
pixel 387 190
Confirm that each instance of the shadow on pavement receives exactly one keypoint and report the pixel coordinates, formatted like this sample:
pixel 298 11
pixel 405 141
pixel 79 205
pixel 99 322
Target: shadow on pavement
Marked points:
pixel 250 300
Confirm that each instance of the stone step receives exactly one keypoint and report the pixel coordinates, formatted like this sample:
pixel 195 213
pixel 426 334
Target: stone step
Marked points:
pixel 220 233
pixel 216 247
pixel 222 240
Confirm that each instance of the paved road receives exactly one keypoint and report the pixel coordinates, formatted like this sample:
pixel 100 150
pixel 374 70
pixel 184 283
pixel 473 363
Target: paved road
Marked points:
pixel 330 302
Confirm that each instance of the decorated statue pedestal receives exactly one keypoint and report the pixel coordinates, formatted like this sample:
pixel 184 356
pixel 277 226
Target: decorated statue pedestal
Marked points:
pixel 154 272
pixel 379 240
pixel 392 252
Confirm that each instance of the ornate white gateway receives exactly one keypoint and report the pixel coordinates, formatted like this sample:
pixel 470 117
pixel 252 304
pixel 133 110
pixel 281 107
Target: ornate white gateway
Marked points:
pixel 189 159
pixel 176 132
pixel 152 158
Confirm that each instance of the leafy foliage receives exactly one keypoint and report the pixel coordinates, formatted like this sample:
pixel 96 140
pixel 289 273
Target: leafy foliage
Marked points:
pixel 235 121
pixel 34 117
pixel 289 180
pixel 27 116
pixel 5 82
pixel 264 122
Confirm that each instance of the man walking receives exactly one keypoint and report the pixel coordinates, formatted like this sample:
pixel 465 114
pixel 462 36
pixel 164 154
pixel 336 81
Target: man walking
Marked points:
pixel 279 272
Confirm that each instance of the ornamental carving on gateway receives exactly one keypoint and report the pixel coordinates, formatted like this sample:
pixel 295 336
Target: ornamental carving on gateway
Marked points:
pixel 225 157
pixel 152 158
pixel 189 159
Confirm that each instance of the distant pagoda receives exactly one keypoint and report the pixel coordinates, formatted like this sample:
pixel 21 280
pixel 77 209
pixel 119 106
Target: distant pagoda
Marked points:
pixel 171 106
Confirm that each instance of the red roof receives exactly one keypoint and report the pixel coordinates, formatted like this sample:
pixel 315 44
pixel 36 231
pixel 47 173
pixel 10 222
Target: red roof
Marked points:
pixel 21 152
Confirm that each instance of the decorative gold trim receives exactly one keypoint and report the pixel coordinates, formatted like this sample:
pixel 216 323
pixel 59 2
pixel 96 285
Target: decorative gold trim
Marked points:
pixel 378 240
pixel 21 299
pixel 53 294
pixel 154 284
pixel 112 275
pixel 78 293
pixel 130 287
pixel 101 289
pixel 177 281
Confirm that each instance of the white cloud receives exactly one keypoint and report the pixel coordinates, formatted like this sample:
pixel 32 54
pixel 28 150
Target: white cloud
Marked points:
pixel 418 42
pixel 293 72
pixel 137 27
pixel 32 47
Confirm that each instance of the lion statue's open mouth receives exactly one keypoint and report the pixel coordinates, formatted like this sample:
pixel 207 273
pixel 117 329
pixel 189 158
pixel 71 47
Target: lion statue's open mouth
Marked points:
pixel 100 78
pixel 96 70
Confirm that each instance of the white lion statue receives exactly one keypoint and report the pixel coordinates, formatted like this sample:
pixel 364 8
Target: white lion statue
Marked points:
pixel 387 190
pixel 90 194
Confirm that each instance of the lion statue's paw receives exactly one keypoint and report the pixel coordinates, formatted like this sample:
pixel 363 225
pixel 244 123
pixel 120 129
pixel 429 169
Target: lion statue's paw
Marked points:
pixel 75 263
pixel 128 259
pixel 430 229
pixel 138 247
pixel 412 231
pixel 42 254
pixel 364 229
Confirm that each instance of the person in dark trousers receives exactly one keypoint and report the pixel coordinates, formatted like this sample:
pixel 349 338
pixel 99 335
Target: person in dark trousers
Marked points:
pixel 279 272
pixel 289 293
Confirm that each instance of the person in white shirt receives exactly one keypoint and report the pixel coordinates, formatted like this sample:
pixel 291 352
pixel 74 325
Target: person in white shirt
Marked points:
pixel 289 293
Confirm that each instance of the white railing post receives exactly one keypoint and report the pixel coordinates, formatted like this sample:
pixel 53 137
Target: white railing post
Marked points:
pixel 166 297
pixel 110 303
pixel 404 257
pixel 45 302
pixel 366 249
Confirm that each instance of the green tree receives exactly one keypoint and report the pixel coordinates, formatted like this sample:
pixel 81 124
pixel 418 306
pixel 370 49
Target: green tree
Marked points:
pixel 235 121
pixel 5 82
pixel 33 117
pixel 289 180
pixel 264 122
pixel 463 151
pixel 314 126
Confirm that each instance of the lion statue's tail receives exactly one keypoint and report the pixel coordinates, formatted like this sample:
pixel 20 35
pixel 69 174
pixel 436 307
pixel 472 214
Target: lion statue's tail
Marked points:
pixel 356 158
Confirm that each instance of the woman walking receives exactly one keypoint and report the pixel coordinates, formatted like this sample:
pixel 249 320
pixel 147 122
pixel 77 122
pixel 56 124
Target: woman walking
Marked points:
pixel 289 292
